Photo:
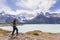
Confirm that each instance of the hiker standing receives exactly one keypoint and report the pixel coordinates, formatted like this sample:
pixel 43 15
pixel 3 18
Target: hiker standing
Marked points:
pixel 14 27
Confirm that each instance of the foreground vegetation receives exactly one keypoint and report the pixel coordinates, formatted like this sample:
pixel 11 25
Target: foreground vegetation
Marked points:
pixel 32 35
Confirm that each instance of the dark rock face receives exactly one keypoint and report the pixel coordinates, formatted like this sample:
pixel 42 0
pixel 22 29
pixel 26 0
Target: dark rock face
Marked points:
pixel 45 19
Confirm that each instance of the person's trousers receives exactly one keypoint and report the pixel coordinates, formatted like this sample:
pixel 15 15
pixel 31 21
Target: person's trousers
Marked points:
pixel 15 29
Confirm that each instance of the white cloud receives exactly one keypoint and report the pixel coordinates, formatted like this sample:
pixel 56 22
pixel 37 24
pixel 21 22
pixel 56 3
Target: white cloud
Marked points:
pixel 5 8
pixel 40 5
pixel 56 11
pixel 30 4
pixel 27 14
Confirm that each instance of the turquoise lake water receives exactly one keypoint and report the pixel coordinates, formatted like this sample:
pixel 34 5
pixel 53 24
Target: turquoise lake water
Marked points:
pixel 53 28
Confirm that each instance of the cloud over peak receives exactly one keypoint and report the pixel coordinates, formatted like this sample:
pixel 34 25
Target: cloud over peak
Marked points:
pixel 27 6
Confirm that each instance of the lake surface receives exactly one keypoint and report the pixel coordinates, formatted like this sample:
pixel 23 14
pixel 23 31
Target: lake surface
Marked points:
pixel 53 28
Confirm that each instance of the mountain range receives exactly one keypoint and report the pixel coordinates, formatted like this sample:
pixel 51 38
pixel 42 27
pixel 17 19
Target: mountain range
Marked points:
pixel 41 18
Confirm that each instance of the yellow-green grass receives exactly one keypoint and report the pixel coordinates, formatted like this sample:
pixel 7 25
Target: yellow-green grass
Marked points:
pixel 39 33
pixel 46 35
pixel 36 33
pixel 4 31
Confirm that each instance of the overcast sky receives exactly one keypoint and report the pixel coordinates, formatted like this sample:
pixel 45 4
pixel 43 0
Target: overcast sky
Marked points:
pixel 15 7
